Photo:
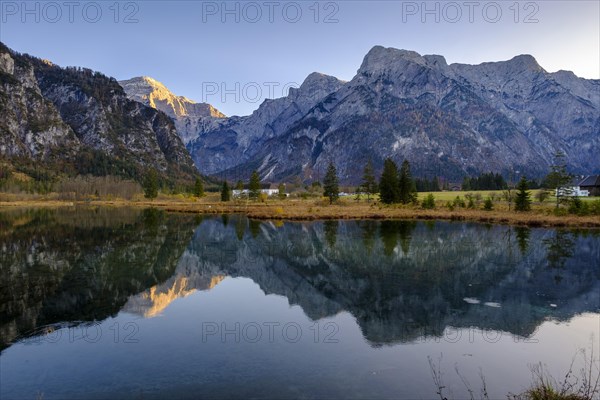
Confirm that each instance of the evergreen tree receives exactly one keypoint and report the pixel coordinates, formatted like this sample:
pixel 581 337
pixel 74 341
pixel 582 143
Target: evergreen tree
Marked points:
pixel 522 198
pixel 435 184
pixel 151 184
pixel 408 191
pixel 282 195
pixel 330 184
pixel 225 192
pixel 559 178
pixel 369 184
pixel 198 188
pixel 239 186
pixel 466 185
pixel 429 202
pixel 254 186
pixel 389 191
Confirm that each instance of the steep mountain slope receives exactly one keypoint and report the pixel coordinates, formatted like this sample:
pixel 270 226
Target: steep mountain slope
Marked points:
pixel 77 120
pixel 231 142
pixel 448 120
pixel 30 127
pixel 189 117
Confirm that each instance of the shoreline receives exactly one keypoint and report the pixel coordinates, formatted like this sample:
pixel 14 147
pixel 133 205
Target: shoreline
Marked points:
pixel 310 210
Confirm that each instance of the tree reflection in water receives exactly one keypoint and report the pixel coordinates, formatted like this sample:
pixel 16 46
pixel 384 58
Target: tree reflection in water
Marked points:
pixel 400 279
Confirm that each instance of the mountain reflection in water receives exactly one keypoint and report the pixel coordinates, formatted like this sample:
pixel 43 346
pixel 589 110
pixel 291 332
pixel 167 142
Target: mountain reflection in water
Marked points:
pixel 401 280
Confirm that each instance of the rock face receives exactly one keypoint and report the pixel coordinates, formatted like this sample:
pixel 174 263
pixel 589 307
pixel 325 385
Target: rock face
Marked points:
pixel 447 120
pixel 79 119
pixel 30 127
pixel 190 118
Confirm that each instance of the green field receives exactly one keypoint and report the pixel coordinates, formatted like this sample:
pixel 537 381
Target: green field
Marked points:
pixel 450 195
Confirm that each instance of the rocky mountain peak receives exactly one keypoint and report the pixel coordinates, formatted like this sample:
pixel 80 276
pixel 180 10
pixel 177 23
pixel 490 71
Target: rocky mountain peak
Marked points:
pixel 316 86
pixel 153 93
pixel 524 62
pixel 381 58
pixel 436 60
pixel 447 120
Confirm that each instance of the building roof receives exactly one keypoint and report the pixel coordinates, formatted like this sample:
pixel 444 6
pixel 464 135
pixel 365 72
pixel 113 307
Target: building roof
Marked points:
pixel 591 180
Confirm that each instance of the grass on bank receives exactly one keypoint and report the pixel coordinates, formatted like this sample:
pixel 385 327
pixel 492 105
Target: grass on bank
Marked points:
pixel 457 206
pixel 582 383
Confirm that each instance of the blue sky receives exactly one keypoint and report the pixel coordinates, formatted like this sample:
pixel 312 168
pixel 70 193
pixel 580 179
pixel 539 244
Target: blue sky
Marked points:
pixel 234 54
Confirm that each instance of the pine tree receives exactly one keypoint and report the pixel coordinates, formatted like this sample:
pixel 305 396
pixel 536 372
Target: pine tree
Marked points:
pixel 559 178
pixel 225 192
pixel 435 184
pixel 198 188
pixel 330 184
pixel 151 184
pixel 408 191
pixel 429 202
pixel 254 186
pixel 389 191
pixel 369 184
pixel 281 194
pixel 522 199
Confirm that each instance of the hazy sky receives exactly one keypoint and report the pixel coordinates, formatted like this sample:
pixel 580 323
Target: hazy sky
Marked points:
pixel 234 54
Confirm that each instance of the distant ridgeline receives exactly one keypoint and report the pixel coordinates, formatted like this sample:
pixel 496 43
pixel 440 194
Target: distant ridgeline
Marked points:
pixel 76 121
pixel 448 121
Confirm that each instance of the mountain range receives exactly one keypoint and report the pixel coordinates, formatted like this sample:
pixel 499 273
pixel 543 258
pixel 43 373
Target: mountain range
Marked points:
pixel 448 120
pixel 74 120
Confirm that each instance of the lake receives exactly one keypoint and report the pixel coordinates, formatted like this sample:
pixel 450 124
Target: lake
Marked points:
pixel 141 304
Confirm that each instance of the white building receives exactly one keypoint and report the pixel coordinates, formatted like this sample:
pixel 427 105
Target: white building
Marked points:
pixel 245 192
pixel 573 190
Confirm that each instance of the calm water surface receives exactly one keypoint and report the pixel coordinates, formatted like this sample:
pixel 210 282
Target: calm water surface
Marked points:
pixel 99 303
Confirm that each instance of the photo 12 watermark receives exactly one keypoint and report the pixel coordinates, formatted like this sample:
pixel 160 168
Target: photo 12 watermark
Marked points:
pixel 252 12
pixel 116 332
pixel 269 332
pixel 247 92
pixel 453 12
pixel 53 12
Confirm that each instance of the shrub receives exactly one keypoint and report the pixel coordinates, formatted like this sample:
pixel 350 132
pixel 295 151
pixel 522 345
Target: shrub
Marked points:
pixel 542 195
pixel 594 207
pixel 458 202
pixel 429 202
pixel 488 204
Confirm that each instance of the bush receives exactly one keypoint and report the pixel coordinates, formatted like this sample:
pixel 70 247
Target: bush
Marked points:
pixel 576 206
pixel 429 202
pixel 470 204
pixel 470 200
pixel 594 207
pixel 542 195
pixel 488 204
pixel 458 202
